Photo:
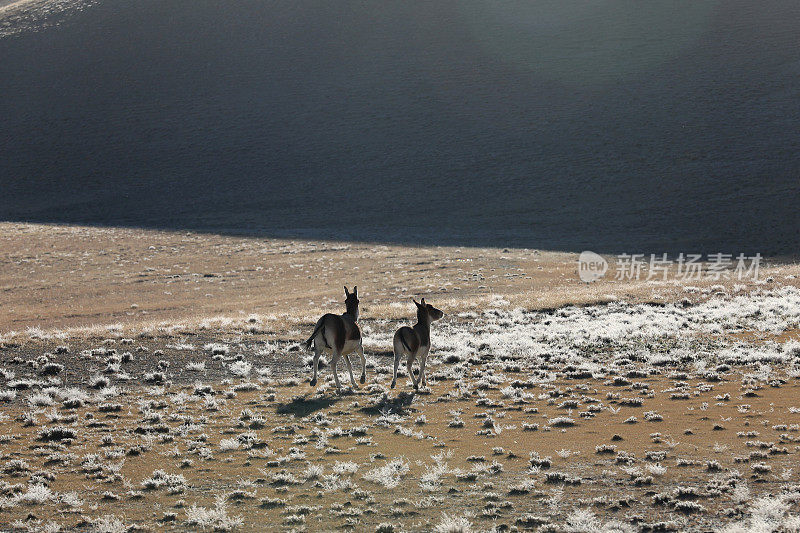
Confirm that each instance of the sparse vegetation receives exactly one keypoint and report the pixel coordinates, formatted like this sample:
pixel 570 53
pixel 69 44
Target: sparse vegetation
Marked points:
pixel 532 419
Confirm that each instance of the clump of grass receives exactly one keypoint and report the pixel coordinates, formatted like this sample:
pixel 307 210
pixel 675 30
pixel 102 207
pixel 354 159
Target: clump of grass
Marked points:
pixel 155 377
pixel 73 398
pixel 174 482
pixel 540 462
pixel 453 524
pixel 8 395
pixel 562 421
pixel 631 402
pixel 271 503
pixel 346 467
pixel 561 477
pixel 761 468
pixel 215 518
pixel 228 444
pixel 456 422
pixel 390 474
pixel 283 478
pixel 36 495
pixel 40 399
pixel 655 456
pixel 109 524
pixel 57 433
pixel 522 488
pixel 240 495
pixel 313 472
pixel 241 368
pixel 51 369
pixel 688 507
pixel 295 519
pixel 98 382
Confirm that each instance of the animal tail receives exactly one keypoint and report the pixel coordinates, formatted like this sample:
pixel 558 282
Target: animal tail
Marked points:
pixel 317 329
pixel 403 340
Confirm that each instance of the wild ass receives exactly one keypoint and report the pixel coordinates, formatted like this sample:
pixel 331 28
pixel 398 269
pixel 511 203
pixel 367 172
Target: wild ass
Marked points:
pixel 339 335
pixel 415 342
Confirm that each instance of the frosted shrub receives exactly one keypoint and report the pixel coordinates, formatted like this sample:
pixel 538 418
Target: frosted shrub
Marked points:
pixel 390 474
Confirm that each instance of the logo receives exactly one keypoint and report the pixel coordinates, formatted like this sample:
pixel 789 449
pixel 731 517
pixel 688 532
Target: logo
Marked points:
pixel 591 266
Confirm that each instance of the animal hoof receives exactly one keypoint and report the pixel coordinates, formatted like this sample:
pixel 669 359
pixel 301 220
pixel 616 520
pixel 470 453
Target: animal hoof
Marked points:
pixel 393 383
pixel 313 382
pixel 363 379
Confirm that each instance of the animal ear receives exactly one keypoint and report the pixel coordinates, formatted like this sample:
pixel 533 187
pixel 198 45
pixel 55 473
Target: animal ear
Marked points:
pixel 355 290
pixel 423 301
pixel 415 302
pixel 346 292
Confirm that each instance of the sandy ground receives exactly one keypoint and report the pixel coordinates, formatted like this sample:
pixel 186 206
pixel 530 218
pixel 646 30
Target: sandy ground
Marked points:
pixel 62 277
pixel 153 381
pixel 602 463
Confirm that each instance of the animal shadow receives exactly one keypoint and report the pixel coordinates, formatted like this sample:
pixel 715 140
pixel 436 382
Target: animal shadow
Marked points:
pixel 397 405
pixel 301 406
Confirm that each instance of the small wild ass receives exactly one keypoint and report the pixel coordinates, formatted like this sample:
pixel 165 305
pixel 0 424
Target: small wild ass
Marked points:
pixel 415 342
pixel 339 335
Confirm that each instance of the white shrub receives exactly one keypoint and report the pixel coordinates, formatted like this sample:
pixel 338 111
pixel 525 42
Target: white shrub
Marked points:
pixel 390 474
pixel 767 514
pixel 109 524
pixel 345 467
pixel 453 524
pixel 199 366
pixel 228 444
pixel 35 495
pixel 216 519
pixel 240 368
pixel 314 471
pixel 40 399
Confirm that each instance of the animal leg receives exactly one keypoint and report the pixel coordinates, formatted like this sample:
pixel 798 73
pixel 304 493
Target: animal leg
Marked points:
pixel 334 362
pixel 315 364
pixel 411 371
pixel 363 363
pixel 396 364
pixel 422 377
pixel 398 354
pixel 350 371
